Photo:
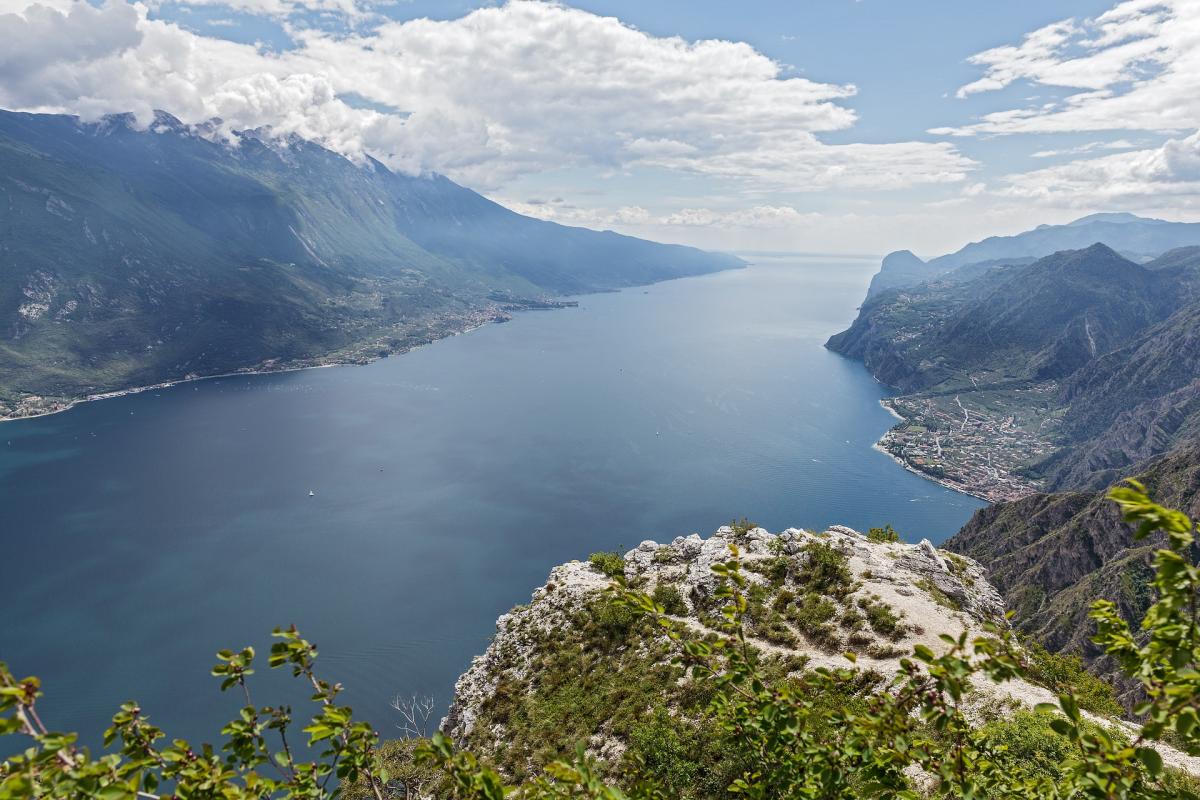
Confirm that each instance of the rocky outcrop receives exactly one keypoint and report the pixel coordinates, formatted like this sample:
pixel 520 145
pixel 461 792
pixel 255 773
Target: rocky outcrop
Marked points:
pixel 883 598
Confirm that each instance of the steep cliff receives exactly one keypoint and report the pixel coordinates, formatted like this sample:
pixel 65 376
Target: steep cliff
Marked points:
pixel 1051 555
pixel 573 666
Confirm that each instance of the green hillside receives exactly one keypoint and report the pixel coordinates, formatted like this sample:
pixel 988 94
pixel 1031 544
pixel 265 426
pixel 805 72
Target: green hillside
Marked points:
pixel 131 257
pixel 1062 373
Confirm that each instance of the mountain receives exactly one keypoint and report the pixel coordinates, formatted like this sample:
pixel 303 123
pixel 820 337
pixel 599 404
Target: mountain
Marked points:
pixel 133 256
pixel 1138 238
pixel 1042 320
pixel 1054 374
pixel 1135 402
pixel 1037 386
pixel 1051 555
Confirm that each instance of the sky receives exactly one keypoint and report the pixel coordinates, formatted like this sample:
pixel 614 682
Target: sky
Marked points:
pixel 839 126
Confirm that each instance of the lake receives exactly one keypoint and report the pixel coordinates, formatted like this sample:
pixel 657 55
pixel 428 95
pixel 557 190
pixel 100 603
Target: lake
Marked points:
pixel 142 534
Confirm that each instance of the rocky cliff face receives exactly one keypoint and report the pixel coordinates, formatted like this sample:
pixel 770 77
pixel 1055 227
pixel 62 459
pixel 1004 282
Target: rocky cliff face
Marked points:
pixel 572 667
pixel 1051 555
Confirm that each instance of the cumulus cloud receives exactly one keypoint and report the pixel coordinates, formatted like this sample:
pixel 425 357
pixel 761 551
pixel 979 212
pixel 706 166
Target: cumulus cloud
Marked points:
pixel 1136 66
pixel 41 36
pixel 350 10
pixel 500 92
pixel 1170 172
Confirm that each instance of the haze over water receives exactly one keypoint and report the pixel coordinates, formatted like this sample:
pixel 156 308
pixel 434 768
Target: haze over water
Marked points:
pixel 144 533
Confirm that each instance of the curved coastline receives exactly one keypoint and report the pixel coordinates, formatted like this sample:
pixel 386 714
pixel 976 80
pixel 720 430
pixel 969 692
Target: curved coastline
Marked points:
pixel 357 361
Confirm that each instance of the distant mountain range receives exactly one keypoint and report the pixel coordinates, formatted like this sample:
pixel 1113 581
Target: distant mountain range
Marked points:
pixel 1137 238
pixel 1017 322
pixel 132 256
pixel 1039 382
pixel 1074 367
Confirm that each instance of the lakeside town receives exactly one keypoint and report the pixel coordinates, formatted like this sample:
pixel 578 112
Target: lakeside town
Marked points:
pixel 975 442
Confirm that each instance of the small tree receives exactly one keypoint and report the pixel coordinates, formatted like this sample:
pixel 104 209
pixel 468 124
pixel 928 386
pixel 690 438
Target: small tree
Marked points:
pixel 885 534
pixel 248 765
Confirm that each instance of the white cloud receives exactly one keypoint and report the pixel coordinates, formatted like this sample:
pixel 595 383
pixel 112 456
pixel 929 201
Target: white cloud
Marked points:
pixel 41 36
pixel 1170 174
pixel 1119 144
pixel 1137 66
pixel 352 11
pixel 1032 59
pixel 500 92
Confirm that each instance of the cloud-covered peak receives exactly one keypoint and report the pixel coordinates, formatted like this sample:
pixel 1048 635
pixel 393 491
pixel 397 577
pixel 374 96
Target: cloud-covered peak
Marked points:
pixel 497 93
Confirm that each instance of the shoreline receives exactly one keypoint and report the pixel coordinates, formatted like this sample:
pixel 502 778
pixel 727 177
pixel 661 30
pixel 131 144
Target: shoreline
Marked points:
pixel 91 398
pixel 945 483
pixel 988 495
pixel 499 314
pixel 886 403
pixel 346 362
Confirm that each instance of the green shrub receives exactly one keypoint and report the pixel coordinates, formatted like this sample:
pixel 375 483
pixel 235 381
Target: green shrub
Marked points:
pixel 775 569
pixel 814 615
pixel 882 619
pixel 885 534
pixel 406 776
pixel 1061 672
pixel 742 527
pixel 611 564
pixel 682 758
pixel 1029 743
pixel 825 570
pixel 668 597
pixel 614 620
pixel 775 629
pixel 852 620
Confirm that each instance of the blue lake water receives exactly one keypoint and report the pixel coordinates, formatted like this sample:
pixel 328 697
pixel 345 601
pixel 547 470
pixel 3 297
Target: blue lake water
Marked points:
pixel 144 533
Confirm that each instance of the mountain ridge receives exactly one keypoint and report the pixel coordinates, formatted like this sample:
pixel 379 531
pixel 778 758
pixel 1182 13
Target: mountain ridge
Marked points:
pixel 1051 554
pixel 1138 238
pixel 1052 375
pixel 133 257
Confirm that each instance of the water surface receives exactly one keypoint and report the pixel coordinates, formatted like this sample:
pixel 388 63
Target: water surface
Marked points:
pixel 142 534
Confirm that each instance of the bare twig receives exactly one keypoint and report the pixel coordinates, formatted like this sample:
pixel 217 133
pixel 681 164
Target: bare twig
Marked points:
pixel 415 712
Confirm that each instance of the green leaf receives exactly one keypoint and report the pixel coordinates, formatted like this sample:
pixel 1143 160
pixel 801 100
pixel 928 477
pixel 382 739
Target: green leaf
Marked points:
pixel 1151 759
pixel 1059 725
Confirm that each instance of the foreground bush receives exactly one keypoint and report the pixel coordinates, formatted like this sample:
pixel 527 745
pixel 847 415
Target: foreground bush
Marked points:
pixel 776 738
